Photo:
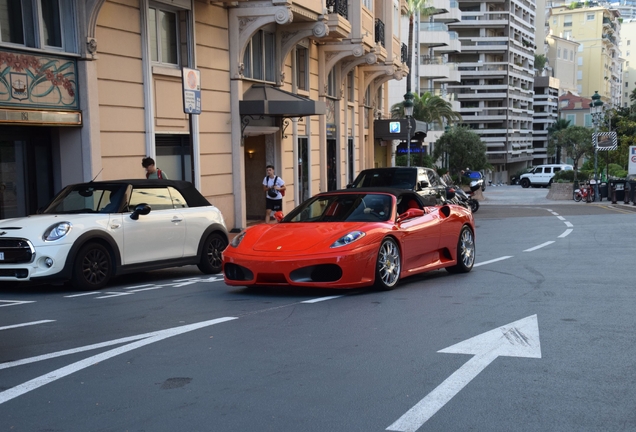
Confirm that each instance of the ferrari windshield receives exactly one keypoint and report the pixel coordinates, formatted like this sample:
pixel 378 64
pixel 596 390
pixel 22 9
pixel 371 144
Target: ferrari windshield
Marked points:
pixel 343 207
pixel 88 198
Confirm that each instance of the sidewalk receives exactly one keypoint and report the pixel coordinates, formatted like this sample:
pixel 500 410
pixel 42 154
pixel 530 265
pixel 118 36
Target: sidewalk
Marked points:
pixel 516 195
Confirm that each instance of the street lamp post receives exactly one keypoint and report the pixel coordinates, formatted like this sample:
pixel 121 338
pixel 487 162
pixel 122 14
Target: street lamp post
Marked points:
pixel 596 109
pixel 408 112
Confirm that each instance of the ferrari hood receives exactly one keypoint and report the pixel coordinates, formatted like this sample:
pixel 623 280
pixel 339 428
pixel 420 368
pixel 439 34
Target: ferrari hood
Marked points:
pixel 295 237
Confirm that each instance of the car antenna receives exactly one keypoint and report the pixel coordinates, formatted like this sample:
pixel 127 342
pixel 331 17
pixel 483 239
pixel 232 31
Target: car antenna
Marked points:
pixel 100 171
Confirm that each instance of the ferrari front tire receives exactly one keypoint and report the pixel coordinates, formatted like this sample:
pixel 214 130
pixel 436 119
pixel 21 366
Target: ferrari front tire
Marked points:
pixel 387 269
pixel 211 256
pixel 93 267
pixel 465 252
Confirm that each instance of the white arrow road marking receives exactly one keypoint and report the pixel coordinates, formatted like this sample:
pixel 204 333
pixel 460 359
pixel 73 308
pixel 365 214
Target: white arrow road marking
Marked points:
pixel 35 383
pixel 13 302
pixel 539 247
pixel 492 261
pixel 26 324
pixel 517 339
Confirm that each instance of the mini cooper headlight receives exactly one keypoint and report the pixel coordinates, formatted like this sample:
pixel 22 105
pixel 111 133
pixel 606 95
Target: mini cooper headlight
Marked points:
pixel 57 231
pixel 348 239
pixel 238 239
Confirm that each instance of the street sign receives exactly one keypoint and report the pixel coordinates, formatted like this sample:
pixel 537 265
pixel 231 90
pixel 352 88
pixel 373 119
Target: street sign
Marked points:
pixel 191 90
pixel 631 167
pixel 517 339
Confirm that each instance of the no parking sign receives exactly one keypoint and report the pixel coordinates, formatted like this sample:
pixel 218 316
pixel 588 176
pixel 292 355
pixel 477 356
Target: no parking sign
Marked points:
pixel 631 168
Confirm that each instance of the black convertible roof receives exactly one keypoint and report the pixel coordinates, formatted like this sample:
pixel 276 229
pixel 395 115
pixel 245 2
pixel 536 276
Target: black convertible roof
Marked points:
pixel 187 189
pixel 366 190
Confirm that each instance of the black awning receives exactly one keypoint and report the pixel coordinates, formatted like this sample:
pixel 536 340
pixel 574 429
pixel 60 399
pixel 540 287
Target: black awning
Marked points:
pixel 264 100
pixel 397 129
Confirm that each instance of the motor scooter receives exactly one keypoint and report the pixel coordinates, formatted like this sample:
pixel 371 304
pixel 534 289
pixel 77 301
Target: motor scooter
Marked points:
pixel 474 204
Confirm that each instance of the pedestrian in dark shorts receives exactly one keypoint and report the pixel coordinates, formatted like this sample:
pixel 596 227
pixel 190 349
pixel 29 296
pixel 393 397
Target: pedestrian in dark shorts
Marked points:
pixel 274 188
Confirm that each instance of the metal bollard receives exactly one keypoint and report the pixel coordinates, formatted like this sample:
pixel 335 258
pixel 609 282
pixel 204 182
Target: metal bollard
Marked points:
pixel 613 194
pixel 626 200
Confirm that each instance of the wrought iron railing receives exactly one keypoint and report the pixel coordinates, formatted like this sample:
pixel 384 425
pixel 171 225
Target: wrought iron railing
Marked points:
pixel 379 32
pixel 339 7
pixel 405 53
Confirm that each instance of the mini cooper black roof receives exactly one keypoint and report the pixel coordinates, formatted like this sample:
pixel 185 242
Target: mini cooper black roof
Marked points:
pixel 192 196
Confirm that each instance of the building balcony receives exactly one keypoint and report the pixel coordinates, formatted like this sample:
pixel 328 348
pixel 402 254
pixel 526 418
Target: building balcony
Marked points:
pixel 338 19
pixel 482 69
pixel 454 45
pixel 434 34
pixel 483 19
pixel 478 45
pixel 441 6
pixel 433 67
pixel 454 75
pixel 453 15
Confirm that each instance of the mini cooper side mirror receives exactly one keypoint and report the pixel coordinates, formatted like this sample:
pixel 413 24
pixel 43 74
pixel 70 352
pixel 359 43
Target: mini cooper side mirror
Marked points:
pixel 140 209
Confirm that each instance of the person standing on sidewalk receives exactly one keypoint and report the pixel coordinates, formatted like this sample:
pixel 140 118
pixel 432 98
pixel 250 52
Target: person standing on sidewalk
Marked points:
pixel 274 188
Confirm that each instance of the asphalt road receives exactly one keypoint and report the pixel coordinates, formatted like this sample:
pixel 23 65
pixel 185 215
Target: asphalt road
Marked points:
pixel 173 350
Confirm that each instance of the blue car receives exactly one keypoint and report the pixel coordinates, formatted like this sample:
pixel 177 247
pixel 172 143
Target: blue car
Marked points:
pixel 476 176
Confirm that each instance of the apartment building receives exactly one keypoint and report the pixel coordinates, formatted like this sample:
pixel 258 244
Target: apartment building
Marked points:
pixel 496 63
pixel 628 52
pixel 546 112
pixel 92 86
pixel 597 29
pixel 562 57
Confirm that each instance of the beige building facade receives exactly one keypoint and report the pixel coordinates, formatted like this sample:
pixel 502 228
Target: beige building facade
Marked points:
pixel 98 84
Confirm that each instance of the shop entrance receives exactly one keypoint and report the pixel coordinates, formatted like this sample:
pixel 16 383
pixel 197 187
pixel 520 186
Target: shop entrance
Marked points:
pixel 26 170
pixel 332 172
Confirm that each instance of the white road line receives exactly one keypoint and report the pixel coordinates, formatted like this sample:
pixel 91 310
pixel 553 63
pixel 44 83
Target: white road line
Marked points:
pixel 147 289
pixel 539 247
pixel 26 324
pixel 35 383
pixel 322 299
pixel 83 294
pixel 14 302
pixel 566 233
pixel 492 261
pixel 561 218
pixel 139 286
pixel 554 213
pixel 568 224
pixel 114 294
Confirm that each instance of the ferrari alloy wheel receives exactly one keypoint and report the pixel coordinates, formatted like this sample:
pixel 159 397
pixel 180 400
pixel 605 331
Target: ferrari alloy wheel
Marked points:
pixel 211 258
pixel 387 271
pixel 93 267
pixel 465 252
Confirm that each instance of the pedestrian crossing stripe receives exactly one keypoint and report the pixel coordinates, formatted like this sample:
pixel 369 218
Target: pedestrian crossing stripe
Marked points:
pixel 605 141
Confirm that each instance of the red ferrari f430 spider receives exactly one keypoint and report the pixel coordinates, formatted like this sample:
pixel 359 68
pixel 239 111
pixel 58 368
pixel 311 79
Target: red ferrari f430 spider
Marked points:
pixel 353 238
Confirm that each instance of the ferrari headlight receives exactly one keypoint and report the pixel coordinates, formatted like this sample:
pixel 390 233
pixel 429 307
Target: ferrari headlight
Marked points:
pixel 57 231
pixel 238 239
pixel 348 239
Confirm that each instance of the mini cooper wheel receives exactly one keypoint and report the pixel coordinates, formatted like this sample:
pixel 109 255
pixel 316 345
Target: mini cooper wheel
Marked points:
pixel 465 252
pixel 93 267
pixel 211 259
pixel 387 268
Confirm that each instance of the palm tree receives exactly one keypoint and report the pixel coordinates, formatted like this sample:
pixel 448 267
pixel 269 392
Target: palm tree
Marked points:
pixel 429 109
pixel 558 125
pixel 412 8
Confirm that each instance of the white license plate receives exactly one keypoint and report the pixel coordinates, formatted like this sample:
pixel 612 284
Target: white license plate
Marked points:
pixel 1 256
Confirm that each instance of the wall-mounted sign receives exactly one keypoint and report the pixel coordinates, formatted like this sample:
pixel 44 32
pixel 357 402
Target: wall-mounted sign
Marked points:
pixel 191 91
pixel 394 127
pixel 605 141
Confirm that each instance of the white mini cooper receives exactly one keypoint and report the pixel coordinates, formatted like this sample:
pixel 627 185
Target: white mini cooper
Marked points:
pixel 93 231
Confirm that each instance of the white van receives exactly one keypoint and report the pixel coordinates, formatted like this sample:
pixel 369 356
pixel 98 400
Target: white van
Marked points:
pixel 542 175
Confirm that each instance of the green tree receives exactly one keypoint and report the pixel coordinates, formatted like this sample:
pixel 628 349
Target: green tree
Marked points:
pixel 464 149
pixel 576 141
pixel 429 109
pixel 558 125
pixel 539 61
